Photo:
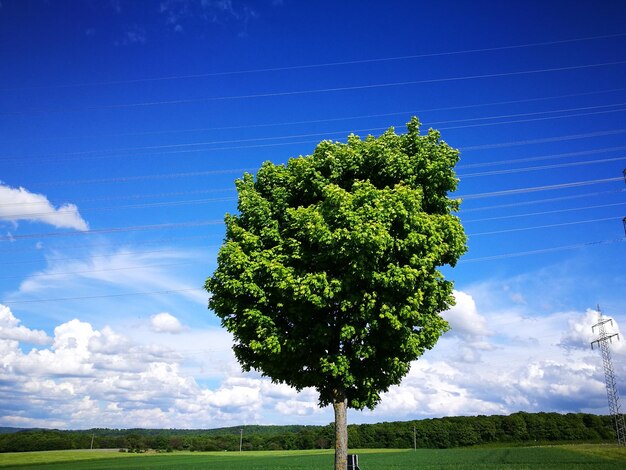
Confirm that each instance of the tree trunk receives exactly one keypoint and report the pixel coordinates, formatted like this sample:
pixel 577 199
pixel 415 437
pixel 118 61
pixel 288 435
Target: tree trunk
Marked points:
pixel 340 405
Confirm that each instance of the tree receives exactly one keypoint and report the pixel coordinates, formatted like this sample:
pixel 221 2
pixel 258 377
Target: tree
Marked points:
pixel 328 276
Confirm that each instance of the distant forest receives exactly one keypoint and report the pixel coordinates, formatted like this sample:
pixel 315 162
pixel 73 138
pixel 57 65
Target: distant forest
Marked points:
pixel 522 428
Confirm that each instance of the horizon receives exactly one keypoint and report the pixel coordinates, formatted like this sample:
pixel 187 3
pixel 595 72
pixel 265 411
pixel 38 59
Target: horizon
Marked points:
pixel 238 427
pixel 125 126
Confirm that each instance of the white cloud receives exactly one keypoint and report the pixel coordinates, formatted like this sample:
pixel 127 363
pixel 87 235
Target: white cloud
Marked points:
pixel 297 407
pixel 10 329
pixel 123 269
pixel 464 318
pixel 108 342
pixel 19 204
pixel 434 388
pixel 102 377
pixel 526 362
pixel 68 356
pixel 235 394
pixel 165 323
pixel 581 332
pixel 89 377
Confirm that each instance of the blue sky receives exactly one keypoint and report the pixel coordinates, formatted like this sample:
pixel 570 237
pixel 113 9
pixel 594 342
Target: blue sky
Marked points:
pixel 124 124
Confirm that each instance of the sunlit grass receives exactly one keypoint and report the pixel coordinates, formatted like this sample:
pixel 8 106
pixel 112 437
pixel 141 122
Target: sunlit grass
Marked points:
pixel 607 451
pixel 53 456
pixel 562 457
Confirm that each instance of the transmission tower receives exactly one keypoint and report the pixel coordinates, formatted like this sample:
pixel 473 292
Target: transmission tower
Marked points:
pixel 603 341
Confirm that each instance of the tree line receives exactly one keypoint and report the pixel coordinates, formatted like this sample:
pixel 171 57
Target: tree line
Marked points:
pixel 440 433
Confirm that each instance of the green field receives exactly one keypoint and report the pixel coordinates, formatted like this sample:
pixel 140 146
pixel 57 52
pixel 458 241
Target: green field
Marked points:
pixel 554 457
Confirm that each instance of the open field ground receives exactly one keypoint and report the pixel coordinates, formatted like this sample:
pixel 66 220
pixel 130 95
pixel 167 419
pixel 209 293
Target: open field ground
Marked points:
pixel 558 457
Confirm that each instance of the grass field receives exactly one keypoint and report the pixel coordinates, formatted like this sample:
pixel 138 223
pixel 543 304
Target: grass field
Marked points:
pixel 589 457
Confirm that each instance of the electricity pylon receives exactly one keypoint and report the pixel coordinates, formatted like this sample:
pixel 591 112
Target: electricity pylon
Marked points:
pixel 603 341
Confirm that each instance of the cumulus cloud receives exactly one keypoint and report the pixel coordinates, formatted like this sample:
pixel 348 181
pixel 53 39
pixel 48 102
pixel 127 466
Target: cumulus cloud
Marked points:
pixel 581 332
pixel 297 407
pixel 523 361
pixel 18 204
pixel 128 377
pixel 434 388
pixel 165 323
pixel 464 318
pixel 10 329
pixel 99 377
pixel 550 383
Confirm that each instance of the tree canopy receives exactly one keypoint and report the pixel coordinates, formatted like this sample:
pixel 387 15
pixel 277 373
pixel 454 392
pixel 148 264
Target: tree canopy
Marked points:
pixel 446 432
pixel 328 276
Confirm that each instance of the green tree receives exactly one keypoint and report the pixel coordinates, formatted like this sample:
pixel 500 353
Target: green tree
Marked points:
pixel 328 276
pixel 514 427
pixel 486 428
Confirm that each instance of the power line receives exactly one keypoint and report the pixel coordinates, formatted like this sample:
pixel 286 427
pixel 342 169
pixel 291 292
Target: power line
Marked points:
pixel 345 118
pixel 128 179
pixel 114 230
pixel 541 251
pixel 530 214
pixel 541 201
pixel 184 193
pixel 91 271
pixel 110 208
pixel 196 144
pixel 583 135
pixel 467 260
pixel 26 215
pixel 84 157
pixel 316 134
pixel 470 220
pixel 327 133
pixel 81 156
pixel 509 192
pixel 168 239
pixel 326 64
pixel 121 254
pixel 169 250
pixel 131 196
pixel 174 203
pixel 13 250
pixel 124 179
pixel 313 91
pixel 517 121
pixel 542 157
pixel 538 168
pixel 545 140
pixel 521 229
pixel 535 113
pixel 219 222
pixel 90 297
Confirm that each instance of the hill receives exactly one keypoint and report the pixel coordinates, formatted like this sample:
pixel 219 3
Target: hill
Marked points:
pixel 9 430
pixel 446 432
